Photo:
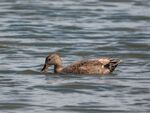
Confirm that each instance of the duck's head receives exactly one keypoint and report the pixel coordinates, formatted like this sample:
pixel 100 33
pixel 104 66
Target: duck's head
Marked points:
pixel 51 59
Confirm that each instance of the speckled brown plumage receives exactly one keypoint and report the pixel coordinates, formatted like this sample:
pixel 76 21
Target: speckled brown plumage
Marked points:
pixel 94 66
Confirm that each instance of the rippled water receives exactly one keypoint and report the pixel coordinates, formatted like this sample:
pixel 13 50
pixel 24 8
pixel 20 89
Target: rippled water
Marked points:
pixel 77 29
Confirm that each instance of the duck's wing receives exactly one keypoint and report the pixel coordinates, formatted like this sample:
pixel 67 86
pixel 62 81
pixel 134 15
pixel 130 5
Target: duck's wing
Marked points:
pixel 83 67
pixel 95 66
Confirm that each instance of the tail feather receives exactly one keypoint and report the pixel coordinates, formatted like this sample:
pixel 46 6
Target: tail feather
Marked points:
pixel 112 64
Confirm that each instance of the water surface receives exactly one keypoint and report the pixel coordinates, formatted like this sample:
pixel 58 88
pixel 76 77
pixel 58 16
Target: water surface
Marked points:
pixel 30 29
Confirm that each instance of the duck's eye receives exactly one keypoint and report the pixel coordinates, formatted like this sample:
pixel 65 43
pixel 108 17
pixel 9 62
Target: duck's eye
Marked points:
pixel 49 59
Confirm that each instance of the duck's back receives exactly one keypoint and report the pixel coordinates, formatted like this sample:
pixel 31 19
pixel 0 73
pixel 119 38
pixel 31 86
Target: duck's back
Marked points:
pixel 86 67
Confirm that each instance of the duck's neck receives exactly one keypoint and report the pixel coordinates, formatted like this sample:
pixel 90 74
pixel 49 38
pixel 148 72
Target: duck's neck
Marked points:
pixel 58 68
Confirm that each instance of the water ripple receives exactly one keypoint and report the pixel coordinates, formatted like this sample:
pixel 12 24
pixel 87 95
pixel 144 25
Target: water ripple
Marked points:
pixel 77 30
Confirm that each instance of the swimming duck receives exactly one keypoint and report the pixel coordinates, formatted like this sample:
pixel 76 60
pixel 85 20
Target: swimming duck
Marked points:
pixel 100 66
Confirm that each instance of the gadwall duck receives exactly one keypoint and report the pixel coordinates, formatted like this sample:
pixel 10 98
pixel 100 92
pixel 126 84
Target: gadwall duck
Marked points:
pixel 93 66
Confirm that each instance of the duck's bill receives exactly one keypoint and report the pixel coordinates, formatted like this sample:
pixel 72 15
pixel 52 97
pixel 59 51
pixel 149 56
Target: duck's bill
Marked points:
pixel 45 68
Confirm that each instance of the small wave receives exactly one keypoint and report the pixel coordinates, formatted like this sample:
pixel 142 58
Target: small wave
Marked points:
pixel 29 72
